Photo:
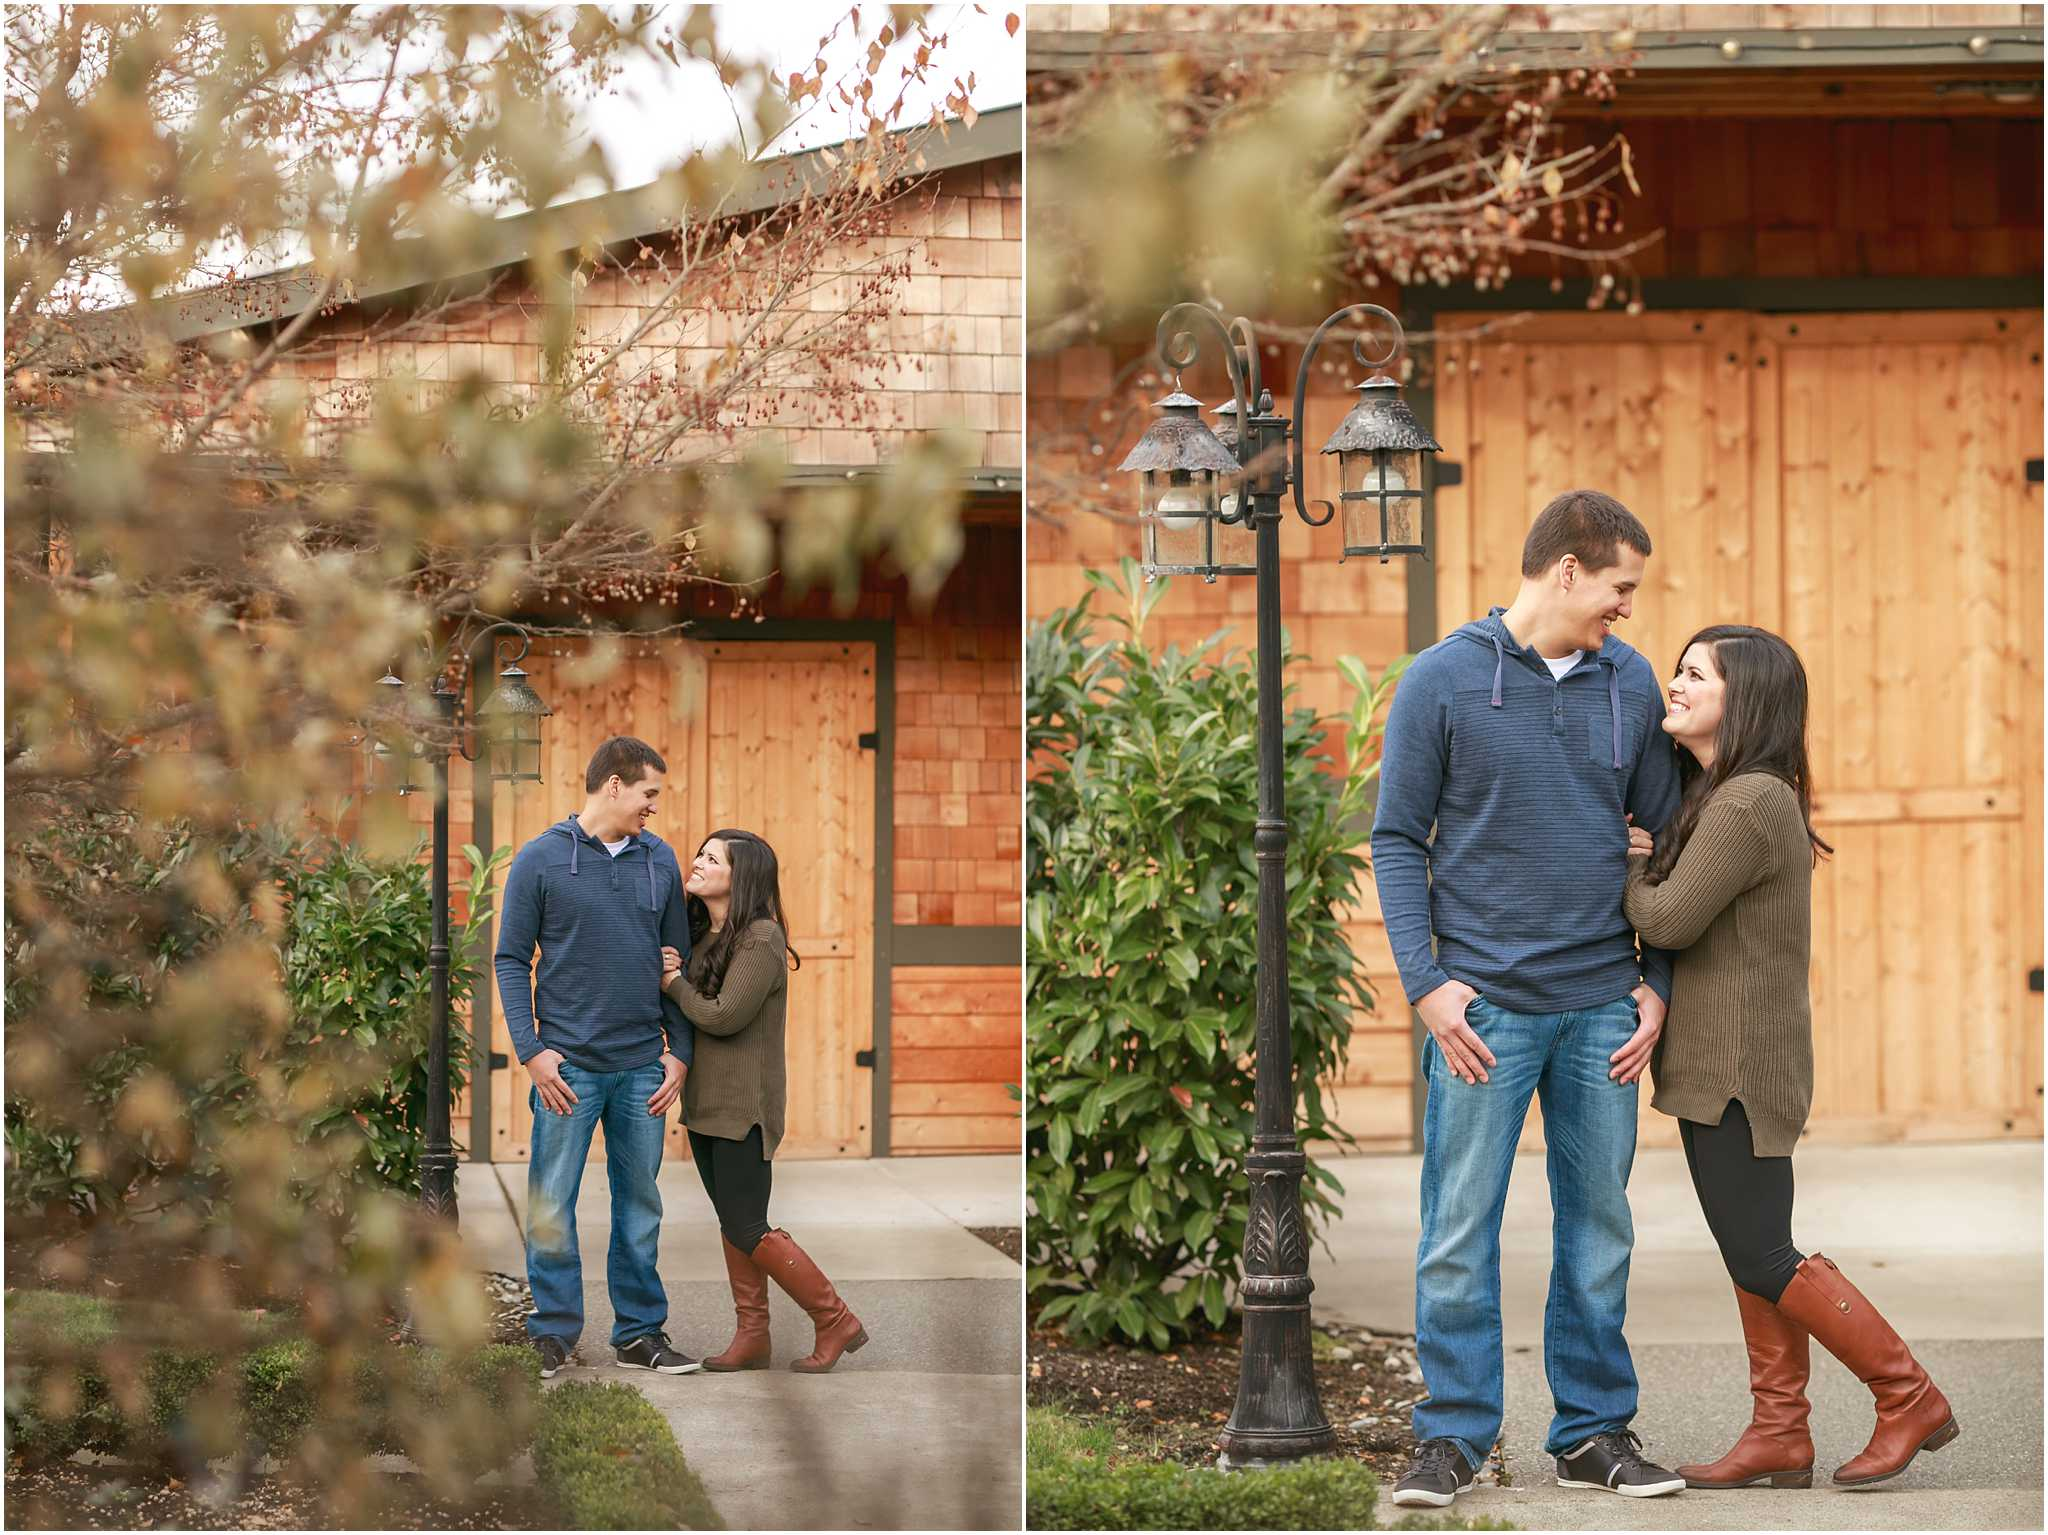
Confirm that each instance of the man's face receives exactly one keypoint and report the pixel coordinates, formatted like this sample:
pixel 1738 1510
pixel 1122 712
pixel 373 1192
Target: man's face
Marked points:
pixel 1596 600
pixel 635 801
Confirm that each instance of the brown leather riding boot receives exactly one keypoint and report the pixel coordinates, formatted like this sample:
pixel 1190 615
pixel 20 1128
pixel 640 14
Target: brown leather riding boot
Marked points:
pixel 1911 1414
pixel 839 1330
pixel 1775 1450
pixel 749 1347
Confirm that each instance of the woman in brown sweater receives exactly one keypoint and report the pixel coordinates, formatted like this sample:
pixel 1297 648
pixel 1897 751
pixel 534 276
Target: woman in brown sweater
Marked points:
pixel 1729 885
pixel 734 994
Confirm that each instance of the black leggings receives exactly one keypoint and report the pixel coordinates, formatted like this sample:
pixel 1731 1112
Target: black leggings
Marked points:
pixel 736 1176
pixel 1747 1200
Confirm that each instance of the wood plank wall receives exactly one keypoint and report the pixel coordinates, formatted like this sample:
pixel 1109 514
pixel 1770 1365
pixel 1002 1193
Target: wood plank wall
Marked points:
pixel 957 1045
pixel 1769 221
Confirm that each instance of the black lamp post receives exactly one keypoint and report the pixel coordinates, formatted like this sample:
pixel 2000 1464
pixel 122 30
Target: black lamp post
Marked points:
pixel 508 731
pixel 1209 509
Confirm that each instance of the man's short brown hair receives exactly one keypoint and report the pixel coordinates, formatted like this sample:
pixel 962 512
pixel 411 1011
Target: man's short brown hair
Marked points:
pixel 1587 524
pixel 626 756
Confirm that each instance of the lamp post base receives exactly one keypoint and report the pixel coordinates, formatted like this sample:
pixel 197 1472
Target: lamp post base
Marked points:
pixel 1279 1414
pixel 437 1187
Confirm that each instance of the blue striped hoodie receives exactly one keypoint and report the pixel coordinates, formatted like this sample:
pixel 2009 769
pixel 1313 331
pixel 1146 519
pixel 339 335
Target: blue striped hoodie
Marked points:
pixel 1500 826
pixel 600 922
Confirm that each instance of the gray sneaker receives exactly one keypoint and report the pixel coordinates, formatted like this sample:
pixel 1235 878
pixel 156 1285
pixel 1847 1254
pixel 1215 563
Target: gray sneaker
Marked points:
pixel 552 1356
pixel 1613 1462
pixel 1435 1477
pixel 653 1353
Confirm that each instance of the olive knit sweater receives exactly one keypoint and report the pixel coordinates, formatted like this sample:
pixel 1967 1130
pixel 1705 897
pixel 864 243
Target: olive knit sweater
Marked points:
pixel 1738 906
pixel 737 1081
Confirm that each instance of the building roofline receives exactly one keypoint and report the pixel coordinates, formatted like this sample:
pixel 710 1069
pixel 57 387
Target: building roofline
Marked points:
pixel 1650 49
pixel 610 219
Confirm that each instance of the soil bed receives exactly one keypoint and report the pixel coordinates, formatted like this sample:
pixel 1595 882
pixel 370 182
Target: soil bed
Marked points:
pixel 73 1496
pixel 1171 1406
pixel 1007 1240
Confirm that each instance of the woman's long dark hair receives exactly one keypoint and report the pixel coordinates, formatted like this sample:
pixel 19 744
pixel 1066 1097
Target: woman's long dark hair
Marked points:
pixel 1762 730
pixel 756 893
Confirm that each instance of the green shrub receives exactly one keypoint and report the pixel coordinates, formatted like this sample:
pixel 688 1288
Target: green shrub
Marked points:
pixel 277 1395
pixel 608 1460
pixel 64 1403
pixel 147 906
pixel 457 1415
pixel 1074 1483
pixel 1140 955
pixel 355 970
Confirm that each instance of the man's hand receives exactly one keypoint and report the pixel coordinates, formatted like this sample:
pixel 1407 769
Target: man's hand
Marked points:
pixel 1633 1058
pixel 671 964
pixel 545 1068
pixel 672 1072
pixel 1443 1011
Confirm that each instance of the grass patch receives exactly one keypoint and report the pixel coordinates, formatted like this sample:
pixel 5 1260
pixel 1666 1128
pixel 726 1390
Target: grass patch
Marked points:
pixel 1076 1480
pixel 609 1461
pixel 91 1374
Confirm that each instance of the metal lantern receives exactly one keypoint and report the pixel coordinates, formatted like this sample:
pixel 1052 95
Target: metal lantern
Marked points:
pixel 388 762
pixel 511 719
pixel 1188 530
pixel 1379 445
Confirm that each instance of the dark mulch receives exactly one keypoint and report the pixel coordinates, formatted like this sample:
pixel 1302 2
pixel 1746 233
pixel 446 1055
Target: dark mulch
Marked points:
pixel 1007 1240
pixel 1171 1406
pixel 71 1496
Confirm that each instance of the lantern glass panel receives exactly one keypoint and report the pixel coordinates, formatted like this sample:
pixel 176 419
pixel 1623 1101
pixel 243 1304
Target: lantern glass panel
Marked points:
pixel 1237 543
pixel 1177 505
pixel 1370 474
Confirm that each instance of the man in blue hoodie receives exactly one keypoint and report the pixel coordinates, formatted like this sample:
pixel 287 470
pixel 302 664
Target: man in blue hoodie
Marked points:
pixel 600 894
pixel 1515 751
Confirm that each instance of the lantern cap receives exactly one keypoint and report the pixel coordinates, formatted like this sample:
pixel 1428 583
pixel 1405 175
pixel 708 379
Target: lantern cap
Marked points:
pixel 1380 419
pixel 1226 423
pixel 514 695
pixel 1180 439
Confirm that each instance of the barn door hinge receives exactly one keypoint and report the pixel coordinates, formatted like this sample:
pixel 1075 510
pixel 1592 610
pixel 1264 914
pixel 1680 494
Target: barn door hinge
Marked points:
pixel 864 1058
pixel 2034 979
pixel 1448 471
pixel 869 740
pixel 499 1060
pixel 2033 471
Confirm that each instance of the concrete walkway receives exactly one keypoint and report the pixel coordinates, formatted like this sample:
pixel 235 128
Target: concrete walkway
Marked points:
pixel 920 1430
pixel 1945 1239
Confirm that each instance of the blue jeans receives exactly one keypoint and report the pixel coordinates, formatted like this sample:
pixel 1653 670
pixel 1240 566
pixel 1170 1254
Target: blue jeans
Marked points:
pixel 1468 1151
pixel 632 1155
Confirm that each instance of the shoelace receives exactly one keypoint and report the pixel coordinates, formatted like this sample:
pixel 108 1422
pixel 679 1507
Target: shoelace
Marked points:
pixel 1435 1452
pixel 1626 1448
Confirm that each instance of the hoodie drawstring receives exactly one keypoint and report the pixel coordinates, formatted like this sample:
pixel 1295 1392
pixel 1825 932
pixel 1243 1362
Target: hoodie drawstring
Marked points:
pixel 653 894
pixel 1614 705
pixel 1499 660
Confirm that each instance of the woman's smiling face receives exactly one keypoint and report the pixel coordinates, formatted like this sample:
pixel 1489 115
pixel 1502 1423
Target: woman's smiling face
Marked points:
pixel 711 873
pixel 1694 715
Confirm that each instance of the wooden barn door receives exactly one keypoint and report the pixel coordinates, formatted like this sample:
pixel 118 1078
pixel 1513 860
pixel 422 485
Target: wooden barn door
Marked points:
pixel 783 758
pixel 1856 484
pixel 763 736
pixel 1912 571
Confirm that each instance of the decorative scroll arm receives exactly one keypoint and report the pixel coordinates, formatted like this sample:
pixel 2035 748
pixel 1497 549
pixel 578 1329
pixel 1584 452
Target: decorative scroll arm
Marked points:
pixel 1396 344
pixel 1178 348
pixel 507 635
